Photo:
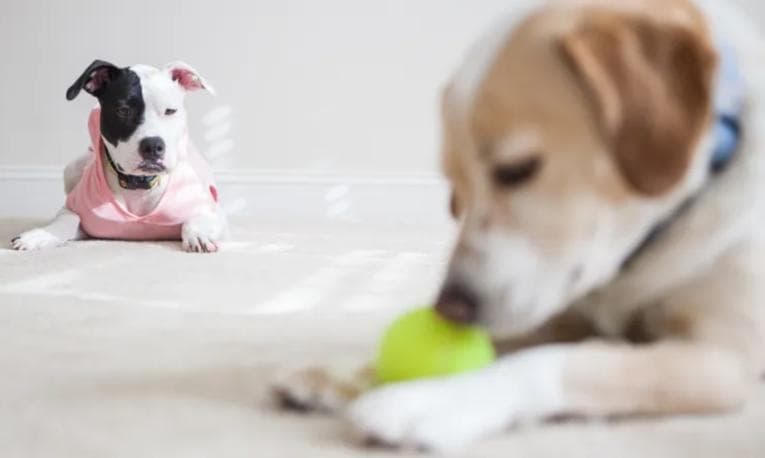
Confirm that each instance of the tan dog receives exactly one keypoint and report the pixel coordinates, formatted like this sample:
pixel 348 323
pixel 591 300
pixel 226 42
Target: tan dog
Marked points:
pixel 578 141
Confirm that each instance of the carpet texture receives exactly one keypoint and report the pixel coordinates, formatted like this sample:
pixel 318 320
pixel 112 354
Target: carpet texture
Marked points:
pixel 114 349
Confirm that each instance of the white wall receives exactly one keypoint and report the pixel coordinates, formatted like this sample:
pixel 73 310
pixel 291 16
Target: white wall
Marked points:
pixel 336 85
pixel 331 85
pixel 346 87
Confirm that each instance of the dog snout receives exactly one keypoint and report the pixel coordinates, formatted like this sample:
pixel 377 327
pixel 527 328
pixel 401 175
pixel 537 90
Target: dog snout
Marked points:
pixel 152 148
pixel 458 304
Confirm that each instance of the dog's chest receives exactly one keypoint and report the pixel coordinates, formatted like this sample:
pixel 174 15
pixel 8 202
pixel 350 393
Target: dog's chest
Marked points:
pixel 139 202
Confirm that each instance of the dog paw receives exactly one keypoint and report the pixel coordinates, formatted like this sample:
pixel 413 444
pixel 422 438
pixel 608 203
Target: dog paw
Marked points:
pixel 196 240
pixel 199 245
pixel 310 390
pixel 441 416
pixel 202 234
pixel 36 239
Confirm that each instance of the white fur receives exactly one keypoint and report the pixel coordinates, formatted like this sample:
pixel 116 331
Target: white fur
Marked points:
pixel 160 93
pixel 64 227
pixel 521 285
pixel 203 233
pixel 518 299
pixel 446 414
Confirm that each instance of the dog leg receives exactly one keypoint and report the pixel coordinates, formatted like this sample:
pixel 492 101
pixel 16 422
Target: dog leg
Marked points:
pixel 706 357
pixel 64 227
pixel 592 379
pixel 320 389
pixel 329 390
pixel 204 233
pixel 73 171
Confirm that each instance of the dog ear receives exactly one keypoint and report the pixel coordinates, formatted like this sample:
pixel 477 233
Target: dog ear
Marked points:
pixel 652 85
pixel 93 79
pixel 189 79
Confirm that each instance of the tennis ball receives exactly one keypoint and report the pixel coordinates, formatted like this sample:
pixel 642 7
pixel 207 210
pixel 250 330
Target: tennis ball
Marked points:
pixel 422 344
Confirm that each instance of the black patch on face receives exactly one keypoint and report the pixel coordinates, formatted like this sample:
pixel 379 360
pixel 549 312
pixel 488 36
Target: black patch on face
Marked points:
pixel 119 93
pixel 122 107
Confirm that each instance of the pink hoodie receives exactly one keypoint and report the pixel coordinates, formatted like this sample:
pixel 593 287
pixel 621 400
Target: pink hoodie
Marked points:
pixel 190 190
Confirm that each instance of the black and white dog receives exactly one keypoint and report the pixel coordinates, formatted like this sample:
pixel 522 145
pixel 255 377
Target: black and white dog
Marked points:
pixel 141 178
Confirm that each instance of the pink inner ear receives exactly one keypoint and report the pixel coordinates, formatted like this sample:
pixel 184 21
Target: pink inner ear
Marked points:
pixel 187 79
pixel 97 79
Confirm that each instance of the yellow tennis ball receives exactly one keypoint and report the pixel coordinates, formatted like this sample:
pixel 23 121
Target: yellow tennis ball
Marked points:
pixel 422 344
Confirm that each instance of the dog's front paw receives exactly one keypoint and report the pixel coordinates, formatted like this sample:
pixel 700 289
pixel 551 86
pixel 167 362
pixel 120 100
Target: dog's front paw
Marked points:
pixel 311 390
pixel 321 389
pixel 198 238
pixel 36 239
pixel 441 415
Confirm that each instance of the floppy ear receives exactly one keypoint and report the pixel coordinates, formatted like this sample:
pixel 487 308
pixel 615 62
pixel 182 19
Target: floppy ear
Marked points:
pixel 651 84
pixel 189 79
pixel 93 79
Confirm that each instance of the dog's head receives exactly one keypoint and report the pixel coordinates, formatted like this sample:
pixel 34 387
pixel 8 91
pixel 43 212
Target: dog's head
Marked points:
pixel 143 118
pixel 585 130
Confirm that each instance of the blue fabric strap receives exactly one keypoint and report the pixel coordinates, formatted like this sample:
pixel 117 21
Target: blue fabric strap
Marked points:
pixel 729 107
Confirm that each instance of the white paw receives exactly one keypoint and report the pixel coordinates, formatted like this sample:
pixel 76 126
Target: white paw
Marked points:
pixel 443 415
pixel 199 239
pixel 36 239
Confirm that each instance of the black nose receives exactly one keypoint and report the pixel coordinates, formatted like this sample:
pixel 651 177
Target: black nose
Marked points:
pixel 458 304
pixel 152 148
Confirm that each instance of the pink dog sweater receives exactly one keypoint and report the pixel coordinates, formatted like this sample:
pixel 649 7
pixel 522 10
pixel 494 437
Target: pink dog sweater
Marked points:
pixel 190 191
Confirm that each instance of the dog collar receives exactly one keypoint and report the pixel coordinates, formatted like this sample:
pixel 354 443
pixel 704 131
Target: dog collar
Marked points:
pixel 729 108
pixel 726 133
pixel 131 182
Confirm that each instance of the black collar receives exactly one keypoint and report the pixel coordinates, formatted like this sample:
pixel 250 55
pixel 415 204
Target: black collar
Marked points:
pixel 131 182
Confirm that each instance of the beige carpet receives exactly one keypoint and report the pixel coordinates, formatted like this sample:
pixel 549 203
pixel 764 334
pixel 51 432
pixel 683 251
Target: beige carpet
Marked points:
pixel 140 350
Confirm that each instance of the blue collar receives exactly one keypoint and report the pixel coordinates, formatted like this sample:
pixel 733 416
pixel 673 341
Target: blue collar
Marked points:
pixel 729 108
pixel 726 132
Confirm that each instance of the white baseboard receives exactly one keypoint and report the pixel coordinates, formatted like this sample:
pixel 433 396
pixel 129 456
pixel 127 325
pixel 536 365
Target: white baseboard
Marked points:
pixel 272 195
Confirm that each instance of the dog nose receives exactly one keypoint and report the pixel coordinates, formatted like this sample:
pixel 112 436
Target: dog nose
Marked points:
pixel 457 304
pixel 152 148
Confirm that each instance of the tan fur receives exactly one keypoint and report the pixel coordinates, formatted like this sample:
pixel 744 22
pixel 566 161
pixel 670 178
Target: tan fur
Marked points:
pixel 671 377
pixel 320 389
pixel 615 99
pixel 652 85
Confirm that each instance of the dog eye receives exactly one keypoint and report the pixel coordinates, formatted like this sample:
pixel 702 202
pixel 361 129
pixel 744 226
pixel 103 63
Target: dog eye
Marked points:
pixel 124 112
pixel 514 175
pixel 170 111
